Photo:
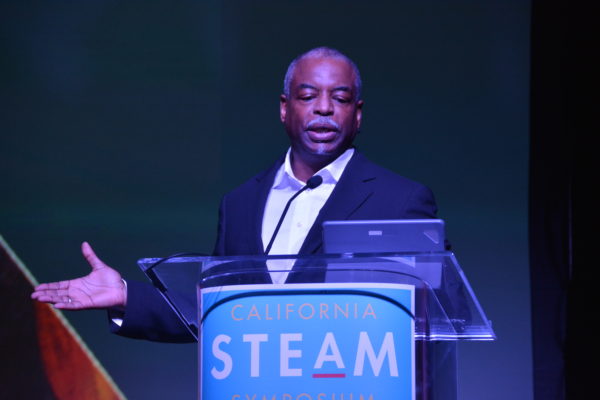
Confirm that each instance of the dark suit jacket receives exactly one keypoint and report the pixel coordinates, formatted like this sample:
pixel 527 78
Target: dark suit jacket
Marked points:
pixel 364 191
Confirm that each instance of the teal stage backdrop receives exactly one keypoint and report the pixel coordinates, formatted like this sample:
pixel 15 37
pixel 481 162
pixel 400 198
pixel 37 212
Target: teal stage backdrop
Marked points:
pixel 122 123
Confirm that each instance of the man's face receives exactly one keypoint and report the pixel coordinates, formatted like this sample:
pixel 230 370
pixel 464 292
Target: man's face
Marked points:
pixel 321 115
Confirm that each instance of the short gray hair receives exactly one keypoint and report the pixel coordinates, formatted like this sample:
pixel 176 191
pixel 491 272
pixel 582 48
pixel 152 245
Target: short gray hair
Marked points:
pixel 325 52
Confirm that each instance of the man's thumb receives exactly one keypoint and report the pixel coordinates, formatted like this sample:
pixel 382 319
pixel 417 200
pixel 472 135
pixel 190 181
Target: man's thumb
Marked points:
pixel 91 257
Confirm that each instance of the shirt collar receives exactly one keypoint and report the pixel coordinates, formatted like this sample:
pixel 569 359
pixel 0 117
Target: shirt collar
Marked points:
pixel 330 173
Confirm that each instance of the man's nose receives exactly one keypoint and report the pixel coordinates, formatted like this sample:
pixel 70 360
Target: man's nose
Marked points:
pixel 323 106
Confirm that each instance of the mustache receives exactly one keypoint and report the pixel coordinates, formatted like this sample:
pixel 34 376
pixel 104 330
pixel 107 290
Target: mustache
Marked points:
pixel 322 121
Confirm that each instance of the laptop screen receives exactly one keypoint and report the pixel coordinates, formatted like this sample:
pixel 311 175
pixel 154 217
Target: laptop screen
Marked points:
pixel 374 236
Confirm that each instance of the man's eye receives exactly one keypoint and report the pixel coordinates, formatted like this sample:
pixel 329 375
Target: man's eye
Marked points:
pixel 342 100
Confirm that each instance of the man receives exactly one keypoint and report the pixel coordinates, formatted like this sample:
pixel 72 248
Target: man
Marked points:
pixel 321 110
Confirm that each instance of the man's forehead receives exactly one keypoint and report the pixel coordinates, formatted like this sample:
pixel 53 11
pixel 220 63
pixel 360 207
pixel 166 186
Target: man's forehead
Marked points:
pixel 312 71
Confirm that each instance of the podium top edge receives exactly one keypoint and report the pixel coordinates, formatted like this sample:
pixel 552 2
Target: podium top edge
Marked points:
pixel 297 256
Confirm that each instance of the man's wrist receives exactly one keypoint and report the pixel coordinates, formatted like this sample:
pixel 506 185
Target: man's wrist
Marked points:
pixel 118 310
pixel 124 289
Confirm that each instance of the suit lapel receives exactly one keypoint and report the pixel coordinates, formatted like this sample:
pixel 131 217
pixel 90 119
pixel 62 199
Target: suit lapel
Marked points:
pixel 256 206
pixel 350 193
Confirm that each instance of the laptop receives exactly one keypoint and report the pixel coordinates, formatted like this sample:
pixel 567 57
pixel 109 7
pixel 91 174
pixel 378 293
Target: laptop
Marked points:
pixel 375 236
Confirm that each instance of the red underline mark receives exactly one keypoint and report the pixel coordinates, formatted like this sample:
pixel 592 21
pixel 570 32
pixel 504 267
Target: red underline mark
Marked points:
pixel 328 375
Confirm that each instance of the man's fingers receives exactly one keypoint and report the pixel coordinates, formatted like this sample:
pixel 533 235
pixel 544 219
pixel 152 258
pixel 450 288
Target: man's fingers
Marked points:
pixel 50 298
pixel 91 257
pixel 69 304
pixel 59 300
pixel 51 293
pixel 46 291
pixel 52 286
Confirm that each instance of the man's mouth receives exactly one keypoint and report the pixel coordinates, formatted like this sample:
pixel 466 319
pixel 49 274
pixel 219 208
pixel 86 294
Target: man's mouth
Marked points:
pixel 322 134
pixel 322 131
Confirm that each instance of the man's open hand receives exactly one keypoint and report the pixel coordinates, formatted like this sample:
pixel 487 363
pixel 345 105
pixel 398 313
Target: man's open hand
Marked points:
pixel 102 288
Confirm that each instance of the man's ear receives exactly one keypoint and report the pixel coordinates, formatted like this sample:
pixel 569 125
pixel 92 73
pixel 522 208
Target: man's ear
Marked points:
pixel 282 107
pixel 359 106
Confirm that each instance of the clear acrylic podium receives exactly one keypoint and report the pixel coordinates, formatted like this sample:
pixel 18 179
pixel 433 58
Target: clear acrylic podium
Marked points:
pixel 444 310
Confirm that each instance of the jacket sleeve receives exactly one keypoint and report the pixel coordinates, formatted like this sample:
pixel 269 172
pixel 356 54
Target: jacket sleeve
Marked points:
pixel 421 204
pixel 148 316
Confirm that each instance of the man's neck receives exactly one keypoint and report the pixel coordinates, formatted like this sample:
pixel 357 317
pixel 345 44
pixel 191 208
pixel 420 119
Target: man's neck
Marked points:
pixel 306 166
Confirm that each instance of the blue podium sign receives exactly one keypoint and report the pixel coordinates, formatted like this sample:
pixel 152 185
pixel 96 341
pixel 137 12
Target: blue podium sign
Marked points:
pixel 322 341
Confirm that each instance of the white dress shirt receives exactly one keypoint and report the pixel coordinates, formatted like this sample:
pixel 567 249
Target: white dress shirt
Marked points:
pixel 302 213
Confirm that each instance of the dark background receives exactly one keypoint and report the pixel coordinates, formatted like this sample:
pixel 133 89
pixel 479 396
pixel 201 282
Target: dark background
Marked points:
pixel 122 123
